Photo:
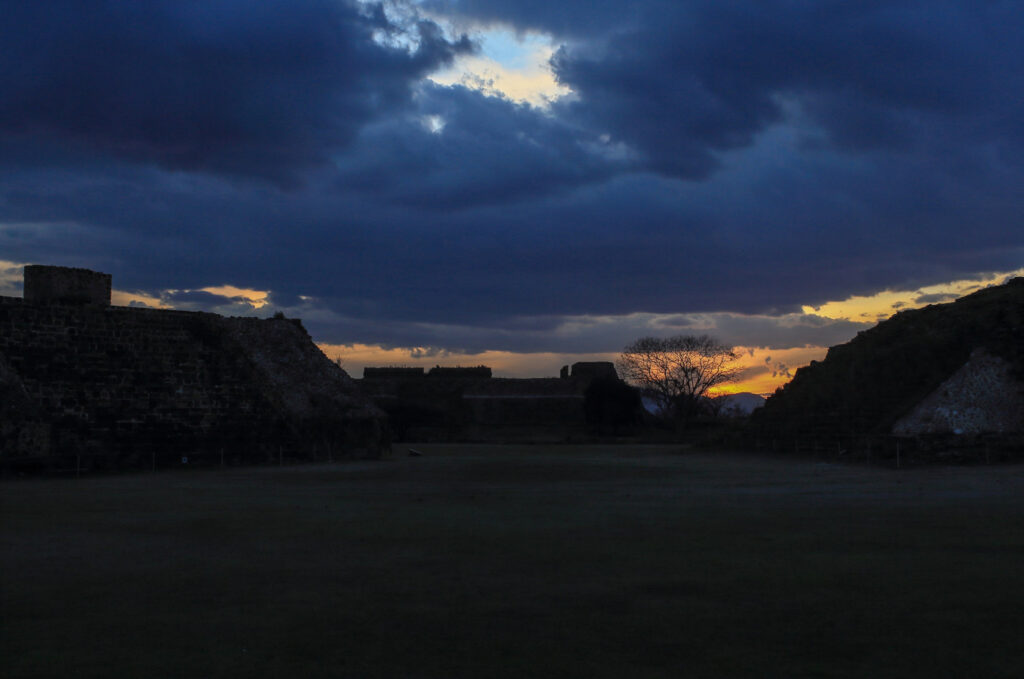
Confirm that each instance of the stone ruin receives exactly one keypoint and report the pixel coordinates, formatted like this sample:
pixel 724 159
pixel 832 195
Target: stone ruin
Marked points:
pixel 981 397
pixel 469 404
pixel 86 383
pixel 593 370
pixel 64 285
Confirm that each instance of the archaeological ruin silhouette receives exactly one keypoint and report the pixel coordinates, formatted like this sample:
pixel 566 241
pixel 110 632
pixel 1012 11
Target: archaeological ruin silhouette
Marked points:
pixel 85 383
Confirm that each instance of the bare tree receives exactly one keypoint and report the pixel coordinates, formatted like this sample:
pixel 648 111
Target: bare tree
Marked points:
pixel 677 372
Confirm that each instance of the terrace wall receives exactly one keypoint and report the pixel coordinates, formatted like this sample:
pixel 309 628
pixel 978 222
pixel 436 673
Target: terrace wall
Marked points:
pixel 122 384
pixel 64 285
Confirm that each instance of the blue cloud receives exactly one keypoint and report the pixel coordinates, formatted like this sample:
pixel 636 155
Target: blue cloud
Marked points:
pixel 487 150
pixel 744 157
pixel 252 89
pixel 698 78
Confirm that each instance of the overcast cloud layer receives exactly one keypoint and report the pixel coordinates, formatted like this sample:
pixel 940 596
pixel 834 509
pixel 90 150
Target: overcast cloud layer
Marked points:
pixel 744 157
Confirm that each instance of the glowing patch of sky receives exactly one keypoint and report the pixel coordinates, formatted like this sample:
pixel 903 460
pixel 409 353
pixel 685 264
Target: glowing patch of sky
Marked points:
pixel 510 65
pixel 764 370
pixel 401 15
pixel 126 298
pixel 887 302
pixel 433 124
pixel 11 276
pixel 355 357
pixel 258 298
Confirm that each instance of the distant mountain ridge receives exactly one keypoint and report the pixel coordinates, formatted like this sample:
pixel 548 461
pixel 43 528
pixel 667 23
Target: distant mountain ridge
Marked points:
pixel 864 387
pixel 740 404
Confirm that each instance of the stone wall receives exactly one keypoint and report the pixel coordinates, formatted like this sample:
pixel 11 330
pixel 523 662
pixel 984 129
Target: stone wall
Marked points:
pixel 594 370
pixel 481 372
pixel 467 404
pixel 121 385
pixel 980 398
pixel 64 285
pixel 396 372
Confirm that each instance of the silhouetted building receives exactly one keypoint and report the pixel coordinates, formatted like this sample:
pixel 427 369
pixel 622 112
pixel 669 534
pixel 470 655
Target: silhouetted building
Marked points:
pixel 592 370
pixel 64 285
pixel 127 386
pixel 468 404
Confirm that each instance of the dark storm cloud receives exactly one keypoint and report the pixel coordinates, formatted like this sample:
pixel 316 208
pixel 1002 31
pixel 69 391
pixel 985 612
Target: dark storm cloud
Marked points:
pixel 255 89
pixel 745 157
pixel 188 298
pixel 485 150
pixel 683 82
pixel 700 78
pixel 464 279
pixel 201 300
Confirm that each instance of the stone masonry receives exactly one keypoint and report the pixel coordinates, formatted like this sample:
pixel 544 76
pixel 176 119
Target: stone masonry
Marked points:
pixel 120 385
pixel 64 285
pixel 981 397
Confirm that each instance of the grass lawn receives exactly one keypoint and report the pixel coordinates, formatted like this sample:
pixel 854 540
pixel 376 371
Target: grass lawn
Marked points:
pixel 517 561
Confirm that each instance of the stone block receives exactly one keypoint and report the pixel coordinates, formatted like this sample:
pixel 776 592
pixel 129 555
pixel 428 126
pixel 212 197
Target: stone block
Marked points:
pixel 64 285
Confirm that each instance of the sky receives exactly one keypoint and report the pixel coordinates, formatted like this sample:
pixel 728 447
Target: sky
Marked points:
pixel 520 184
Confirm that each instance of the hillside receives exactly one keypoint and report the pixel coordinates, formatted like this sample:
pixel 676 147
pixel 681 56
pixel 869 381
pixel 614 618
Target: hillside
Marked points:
pixel 864 386
pixel 739 405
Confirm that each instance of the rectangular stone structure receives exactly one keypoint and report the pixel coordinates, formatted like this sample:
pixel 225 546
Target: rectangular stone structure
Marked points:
pixel 391 373
pixel 66 285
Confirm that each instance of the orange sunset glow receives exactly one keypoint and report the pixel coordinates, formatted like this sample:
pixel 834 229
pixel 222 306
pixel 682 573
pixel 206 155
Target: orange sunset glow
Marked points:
pixel 763 369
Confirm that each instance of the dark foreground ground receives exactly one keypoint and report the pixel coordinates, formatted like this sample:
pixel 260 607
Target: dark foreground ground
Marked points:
pixel 501 561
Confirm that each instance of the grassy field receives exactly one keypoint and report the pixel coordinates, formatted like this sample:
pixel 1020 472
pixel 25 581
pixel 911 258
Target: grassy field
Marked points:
pixel 504 561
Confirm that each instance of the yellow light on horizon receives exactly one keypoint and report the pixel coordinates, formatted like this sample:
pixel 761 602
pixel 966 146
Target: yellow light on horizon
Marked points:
pixel 258 298
pixel 355 357
pixel 768 369
pixel 125 298
pixel 877 307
